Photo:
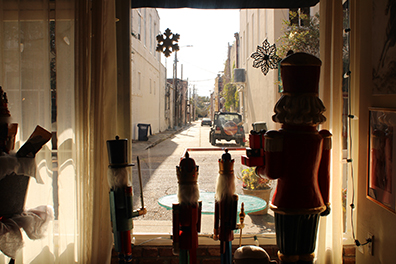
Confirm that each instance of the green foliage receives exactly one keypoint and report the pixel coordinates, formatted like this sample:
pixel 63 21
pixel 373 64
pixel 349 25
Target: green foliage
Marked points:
pixel 230 92
pixel 202 105
pixel 231 96
pixel 251 181
pixel 300 38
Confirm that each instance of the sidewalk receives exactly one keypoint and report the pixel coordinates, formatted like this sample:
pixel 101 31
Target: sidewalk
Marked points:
pixel 157 138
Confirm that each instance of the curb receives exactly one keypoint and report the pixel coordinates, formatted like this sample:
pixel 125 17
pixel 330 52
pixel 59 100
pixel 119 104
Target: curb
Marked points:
pixel 166 137
pixel 160 140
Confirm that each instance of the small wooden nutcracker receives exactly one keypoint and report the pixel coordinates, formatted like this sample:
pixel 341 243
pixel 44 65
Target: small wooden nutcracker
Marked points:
pixel 187 213
pixel 120 196
pixel 298 155
pixel 226 203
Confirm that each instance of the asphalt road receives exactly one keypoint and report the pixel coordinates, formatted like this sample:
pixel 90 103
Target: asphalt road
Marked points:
pixel 158 163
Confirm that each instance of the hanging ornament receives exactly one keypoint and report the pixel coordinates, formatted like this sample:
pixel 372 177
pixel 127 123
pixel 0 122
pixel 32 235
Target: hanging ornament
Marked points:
pixel 265 57
pixel 168 44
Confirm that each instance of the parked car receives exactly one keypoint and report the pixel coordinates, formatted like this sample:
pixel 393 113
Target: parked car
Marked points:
pixel 228 126
pixel 206 121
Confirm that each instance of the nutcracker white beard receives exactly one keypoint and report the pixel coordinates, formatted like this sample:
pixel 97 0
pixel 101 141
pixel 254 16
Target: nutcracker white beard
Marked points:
pixel 225 186
pixel 188 193
pixel 118 177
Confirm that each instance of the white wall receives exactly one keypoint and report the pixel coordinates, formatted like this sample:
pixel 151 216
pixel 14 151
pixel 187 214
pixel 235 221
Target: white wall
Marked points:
pixel 148 73
pixel 261 91
pixel 371 217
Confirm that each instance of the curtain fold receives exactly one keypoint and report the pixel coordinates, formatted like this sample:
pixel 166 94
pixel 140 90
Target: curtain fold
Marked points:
pixel 96 102
pixel 330 237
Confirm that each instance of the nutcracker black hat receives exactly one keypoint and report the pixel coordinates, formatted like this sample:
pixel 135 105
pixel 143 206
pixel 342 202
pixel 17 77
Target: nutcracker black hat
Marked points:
pixel 117 151
pixel 300 73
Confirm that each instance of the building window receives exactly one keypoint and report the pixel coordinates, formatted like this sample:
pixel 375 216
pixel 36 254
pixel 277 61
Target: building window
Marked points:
pixel 249 36
pixel 151 32
pixel 155 32
pixel 253 33
pixel 145 26
pixel 247 40
pixel 139 24
pixel 243 50
pixel 139 80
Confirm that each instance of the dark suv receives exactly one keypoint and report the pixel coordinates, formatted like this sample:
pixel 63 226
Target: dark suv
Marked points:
pixel 228 126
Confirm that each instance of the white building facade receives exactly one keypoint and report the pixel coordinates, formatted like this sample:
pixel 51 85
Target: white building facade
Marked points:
pixel 148 73
pixel 260 92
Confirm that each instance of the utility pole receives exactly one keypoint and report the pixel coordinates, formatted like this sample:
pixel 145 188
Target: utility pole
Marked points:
pixel 175 93
pixel 178 93
pixel 195 102
pixel 167 45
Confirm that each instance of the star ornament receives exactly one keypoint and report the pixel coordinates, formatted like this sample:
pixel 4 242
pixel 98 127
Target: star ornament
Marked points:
pixel 265 57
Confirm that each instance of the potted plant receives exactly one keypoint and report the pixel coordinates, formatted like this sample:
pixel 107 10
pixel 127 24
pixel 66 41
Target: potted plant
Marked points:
pixel 254 185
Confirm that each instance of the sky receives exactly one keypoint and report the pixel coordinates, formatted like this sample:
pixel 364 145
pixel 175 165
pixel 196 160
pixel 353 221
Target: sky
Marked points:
pixel 209 32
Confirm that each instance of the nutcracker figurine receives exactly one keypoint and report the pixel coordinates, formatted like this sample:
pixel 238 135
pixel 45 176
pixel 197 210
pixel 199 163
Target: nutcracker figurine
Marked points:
pixel 187 213
pixel 16 169
pixel 298 155
pixel 226 203
pixel 121 198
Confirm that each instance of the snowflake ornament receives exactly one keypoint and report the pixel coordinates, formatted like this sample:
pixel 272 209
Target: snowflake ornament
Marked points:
pixel 166 45
pixel 265 57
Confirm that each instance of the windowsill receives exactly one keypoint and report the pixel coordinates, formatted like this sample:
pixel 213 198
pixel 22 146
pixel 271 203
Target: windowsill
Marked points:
pixel 164 239
pixel 152 232
pixel 347 240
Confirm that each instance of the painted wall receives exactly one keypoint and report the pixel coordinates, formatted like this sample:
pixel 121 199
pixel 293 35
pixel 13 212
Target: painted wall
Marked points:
pixel 370 216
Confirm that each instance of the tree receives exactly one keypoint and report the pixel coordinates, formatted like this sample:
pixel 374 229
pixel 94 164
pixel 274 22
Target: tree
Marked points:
pixel 301 34
pixel 230 92
pixel 202 106
pixel 231 96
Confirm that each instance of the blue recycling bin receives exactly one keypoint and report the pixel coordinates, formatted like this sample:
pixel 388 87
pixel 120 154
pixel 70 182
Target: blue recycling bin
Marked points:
pixel 143 131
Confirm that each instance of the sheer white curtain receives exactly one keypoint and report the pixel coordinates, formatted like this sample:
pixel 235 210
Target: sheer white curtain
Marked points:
pixel 329 249
pixel 37 73
pixel 81 110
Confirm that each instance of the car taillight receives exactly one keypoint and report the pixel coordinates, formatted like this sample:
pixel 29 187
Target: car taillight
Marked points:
pixel 217 128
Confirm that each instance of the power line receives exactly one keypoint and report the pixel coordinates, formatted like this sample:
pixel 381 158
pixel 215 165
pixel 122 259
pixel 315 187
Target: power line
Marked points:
pixel 201 80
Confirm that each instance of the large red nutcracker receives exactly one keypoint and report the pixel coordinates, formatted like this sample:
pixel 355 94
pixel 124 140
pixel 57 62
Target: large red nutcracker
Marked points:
pixel 298 155
pixel 187 213
pixel 226 203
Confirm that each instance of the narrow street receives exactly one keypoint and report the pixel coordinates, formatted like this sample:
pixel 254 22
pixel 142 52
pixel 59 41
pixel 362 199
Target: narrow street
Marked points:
pixel 158 169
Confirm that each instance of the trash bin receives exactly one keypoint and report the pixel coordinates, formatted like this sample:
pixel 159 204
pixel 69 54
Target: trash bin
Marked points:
pixel 258 126
pixel 143 131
